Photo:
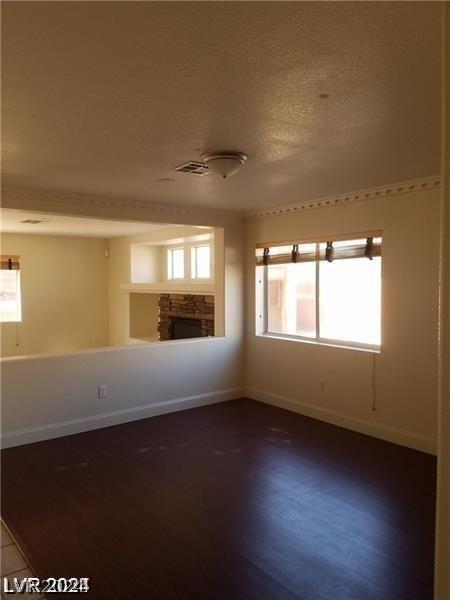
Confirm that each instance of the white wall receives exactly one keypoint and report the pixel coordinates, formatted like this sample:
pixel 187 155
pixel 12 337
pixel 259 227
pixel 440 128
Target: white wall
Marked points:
pixel 289 373
pixel 48 396
pixel 64 294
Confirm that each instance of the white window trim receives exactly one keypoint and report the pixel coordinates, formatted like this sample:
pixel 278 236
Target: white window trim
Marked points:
pixel 187 247
pixel 322 342
pixel 169 254
pixel 193 270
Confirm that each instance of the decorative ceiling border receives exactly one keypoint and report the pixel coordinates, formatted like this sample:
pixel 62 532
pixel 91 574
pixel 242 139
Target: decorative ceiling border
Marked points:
pixel 172 210
pixel 60 197
pixel 415 185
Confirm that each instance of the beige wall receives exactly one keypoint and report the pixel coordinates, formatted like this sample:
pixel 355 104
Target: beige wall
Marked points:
pixel 289 373
pixel 146 263
pixel 119 271
pixel 144 316
pixel 71 294
pixel 64 294
pixel 63 396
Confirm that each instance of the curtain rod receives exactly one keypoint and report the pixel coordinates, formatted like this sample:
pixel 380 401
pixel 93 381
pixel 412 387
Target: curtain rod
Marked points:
pixel 323 239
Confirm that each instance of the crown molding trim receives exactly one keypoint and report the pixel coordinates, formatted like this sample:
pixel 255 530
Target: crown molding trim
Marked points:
pixel 154 210
pixel 10 193
pixel 395 189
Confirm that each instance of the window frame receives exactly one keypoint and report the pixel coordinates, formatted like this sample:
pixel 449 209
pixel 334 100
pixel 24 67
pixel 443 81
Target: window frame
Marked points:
pixel 188 249
pixel 169 263
pixel 193 257
pixel 318 339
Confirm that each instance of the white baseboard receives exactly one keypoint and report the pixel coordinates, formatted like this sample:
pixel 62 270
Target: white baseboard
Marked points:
pixel 60 429
pixel 54 430
pixel 378 430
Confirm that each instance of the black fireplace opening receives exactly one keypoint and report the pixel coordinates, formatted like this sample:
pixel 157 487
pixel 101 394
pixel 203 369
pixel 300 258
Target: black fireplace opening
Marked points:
pixel 182 328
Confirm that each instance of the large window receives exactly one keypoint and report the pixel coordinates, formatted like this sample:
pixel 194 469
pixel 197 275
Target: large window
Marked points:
pixel 10 302
pixel 323 291
pixel 175 263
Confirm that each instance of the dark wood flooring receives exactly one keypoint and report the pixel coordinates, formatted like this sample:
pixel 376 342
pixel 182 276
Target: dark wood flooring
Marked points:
pixel 231 501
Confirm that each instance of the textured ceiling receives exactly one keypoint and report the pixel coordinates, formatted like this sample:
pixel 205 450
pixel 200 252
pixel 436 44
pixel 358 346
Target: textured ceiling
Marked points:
pixel 107 97
pixel 12 221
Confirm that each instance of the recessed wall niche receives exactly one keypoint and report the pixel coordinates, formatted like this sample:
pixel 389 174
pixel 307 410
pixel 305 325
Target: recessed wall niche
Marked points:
pixel 146 263
pixel 144 312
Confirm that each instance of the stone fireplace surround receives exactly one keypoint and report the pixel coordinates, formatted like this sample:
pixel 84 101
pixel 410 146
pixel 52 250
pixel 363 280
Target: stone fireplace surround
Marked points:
pixel 190 306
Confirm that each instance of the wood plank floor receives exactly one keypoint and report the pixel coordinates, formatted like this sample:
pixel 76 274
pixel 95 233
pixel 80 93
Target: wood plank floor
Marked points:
pixel 231 501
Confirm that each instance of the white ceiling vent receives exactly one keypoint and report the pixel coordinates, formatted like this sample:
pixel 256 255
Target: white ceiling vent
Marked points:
pixel 193 168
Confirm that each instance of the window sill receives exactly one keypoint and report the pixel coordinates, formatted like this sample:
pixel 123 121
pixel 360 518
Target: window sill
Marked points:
pixel 327 344
pixel 171 287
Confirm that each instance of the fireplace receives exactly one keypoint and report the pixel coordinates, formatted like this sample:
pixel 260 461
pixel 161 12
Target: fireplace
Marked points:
pixel 182 328
pixel 184 316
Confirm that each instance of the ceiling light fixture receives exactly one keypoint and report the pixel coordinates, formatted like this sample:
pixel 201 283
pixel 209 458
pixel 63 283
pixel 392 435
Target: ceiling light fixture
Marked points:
pixel 224 164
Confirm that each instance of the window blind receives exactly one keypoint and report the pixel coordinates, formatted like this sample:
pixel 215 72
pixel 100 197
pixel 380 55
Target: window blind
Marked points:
pixel 330 248
pixel 9 263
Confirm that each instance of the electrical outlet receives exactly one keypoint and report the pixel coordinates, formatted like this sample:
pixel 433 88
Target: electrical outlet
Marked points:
pixel 102 391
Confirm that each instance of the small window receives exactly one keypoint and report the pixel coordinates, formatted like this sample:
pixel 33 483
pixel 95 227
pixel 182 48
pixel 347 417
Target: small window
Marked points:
pixel 175 263
pixel 201 262
pixel 323 291
pixel 10 302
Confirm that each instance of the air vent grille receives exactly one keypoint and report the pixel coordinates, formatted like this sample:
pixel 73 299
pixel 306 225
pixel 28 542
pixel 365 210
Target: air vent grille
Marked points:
pixel 193 168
